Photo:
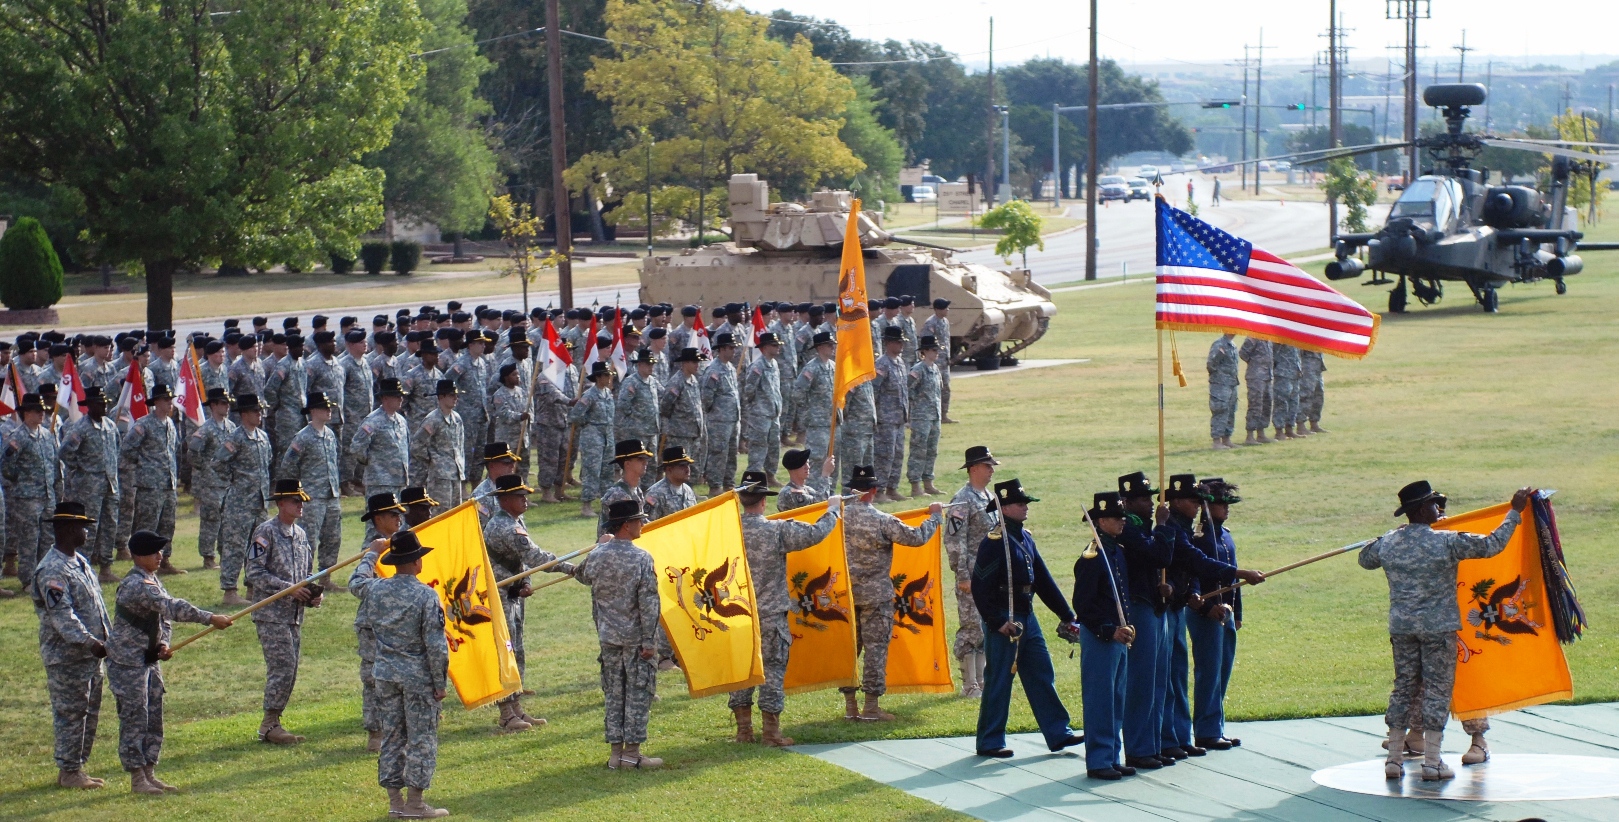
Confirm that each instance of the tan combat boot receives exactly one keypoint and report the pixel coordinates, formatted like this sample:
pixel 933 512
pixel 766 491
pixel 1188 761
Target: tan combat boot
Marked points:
pixel 632 758
pixel 373 741
pixel 509 721
pixel 231 599
pixel 210 563
pixel 550 494
pixel 77 778
pixel 873 713
pixel 415 808
pixel 152 778
pixel 612 758
pixel 1394 761
pixel 584 510
pixel 270 731
pixel 851 706
pixel 916 490
pixel 167 569
pixel 930 490
pixel 773 736
pixel 1434 768
pixel 106 574
pixel 1315 428
pixel 122 554
pixel 1260 438
pixel 744 723
pixel 1478 753
pixel 396 802
pixel 517 710
pixel 138 783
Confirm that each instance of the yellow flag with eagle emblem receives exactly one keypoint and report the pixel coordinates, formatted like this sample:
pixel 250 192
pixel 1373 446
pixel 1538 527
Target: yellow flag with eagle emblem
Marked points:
pixel 482 665
pixel 918 650
pixel 856 361
pixel 820 611
pixel 706 595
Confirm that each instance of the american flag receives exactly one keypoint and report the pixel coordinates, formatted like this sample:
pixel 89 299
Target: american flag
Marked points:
pixel 1209 280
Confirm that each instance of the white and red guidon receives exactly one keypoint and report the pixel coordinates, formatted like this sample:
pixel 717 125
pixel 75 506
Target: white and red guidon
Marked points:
pixel 1209 280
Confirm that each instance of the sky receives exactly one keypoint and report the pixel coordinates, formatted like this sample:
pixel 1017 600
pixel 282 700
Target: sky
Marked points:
pixel 1158 31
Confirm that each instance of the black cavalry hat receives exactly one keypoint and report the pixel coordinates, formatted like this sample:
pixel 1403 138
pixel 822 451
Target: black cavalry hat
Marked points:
pixel 404 548
pixel 497 451
pixel 390 387
pixel 629 449
pixel 1182 486
pixel 70 512
pixel 215 395
pixel 161 391
pixel 511 484
pixel 599 369
pixel 927 343
pixel 381 504
pixel 676 455
pixel 1135 485
pixel 892 333
pixel 318 399
pixel 769 338
pixel 1107 504
pixel 415 495
pixel 979 455
pixel 1011 493
pixel 623 511
pixel 289 489
pixel 864 478
pixel 756 483
pixel 247 402
pixel 689 355
pixel 1412 496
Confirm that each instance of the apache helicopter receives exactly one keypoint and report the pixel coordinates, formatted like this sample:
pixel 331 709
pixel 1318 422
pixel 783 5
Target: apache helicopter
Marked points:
pixel 1449 224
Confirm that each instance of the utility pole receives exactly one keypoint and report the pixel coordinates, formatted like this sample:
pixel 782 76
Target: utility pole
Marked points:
pixel 1259 104
pixel 1090 158
pixel 563 212
pixel 1056 183
pixel 1242 140
pixel 1410 11
pixel 1334 116
pixel 989 139
pixel 1489 77
pixel 1315 71
pixel 1461 68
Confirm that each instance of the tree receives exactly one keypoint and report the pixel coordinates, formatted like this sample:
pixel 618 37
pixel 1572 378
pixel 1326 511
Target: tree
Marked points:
pixel 192 136
pixel 439 167
pixel 520 231
pixel 1314 139
pixel 30 273
pixel 873 144
pixel 1020 227
pixel 1354 188
pixel 718 97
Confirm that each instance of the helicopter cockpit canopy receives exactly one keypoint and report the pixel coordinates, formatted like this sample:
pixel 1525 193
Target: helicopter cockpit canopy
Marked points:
pixel 1433 200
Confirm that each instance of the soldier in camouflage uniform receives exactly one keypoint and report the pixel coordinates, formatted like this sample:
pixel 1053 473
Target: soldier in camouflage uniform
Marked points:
pixel 767 543
pixel 1421 566
pixel 89 454
pixel 1257 354
pixel 869 537
pixel 384 360
pixel 140 638
pixel 924 386
pixel 325 373
pixel 386 515
pixel 32 479
pixel 280 557
pixel 671 494
pixel 889 392
pixel 512 552
pixel 857 432
pixel 246 372
pixel 722 410
pixel 440 449
pixel 499 460
pixel 635 412
pixel 1222 366
pixel 786 366
pixel 381 446
pixel 285 388
pixel 762 407
pixel 357 395
pixel 938 326
pixel 802 489
pixel 813 388
pixel 312 459
pixel 1312 392
pixel 419 383
pixel 550 429
pixel 682 404
pixel 208 483
pixel 970 520
pixel 907 326
pixel 153 445
pixel 593 412
pixel 243 457
pixel 73 632
pixel 471 376
pixel 508 410
pixel 1285 391
pixel 624 605
pixel 411 673
pixel 633 459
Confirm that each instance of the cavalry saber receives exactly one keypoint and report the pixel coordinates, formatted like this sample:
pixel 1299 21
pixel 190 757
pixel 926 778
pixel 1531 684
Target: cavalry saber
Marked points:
pixel 546 567
pixel 1317 558
pixel 263 603
pixel 1112 583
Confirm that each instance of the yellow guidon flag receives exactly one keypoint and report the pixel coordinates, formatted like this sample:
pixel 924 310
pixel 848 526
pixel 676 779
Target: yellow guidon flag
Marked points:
pixel 856 362
pixel 820 611
pixel 481 662
pixel 1507 652
pixel 918 650
pixel 706 596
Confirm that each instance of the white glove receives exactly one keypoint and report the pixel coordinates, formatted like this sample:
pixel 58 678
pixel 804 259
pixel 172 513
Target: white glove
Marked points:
pixel 834 504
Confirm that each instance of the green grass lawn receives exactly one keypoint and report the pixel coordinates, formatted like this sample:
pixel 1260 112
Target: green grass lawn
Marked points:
pixel 1478 404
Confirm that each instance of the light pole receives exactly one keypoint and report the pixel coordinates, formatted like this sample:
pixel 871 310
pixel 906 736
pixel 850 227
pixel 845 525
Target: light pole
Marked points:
pixel 1006 152
pixel 1056 183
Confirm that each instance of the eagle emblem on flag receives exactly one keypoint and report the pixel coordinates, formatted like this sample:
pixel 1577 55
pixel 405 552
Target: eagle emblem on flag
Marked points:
pixel 815 601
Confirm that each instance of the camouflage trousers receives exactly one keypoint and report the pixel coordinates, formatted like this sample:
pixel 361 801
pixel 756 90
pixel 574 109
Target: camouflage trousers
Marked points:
pixel 1312 396
pixel 101 504
pixel 888 453
pixel 1222 410
pixel 969 626
pixel 764 443
pixel 210 517
pixel 448 492
pixel 1413 719
pixel 280 641
pixel 410 717
pixel 75 689
pixel 287 425
pixel 323 522
pixel 924 450
pixel 240 518
pixel 1259 396
pixel 476 427
pixel 856 446
pixel 139 691
pixel 944 385
pixel 719 453
pixel 550 452
pixel 876 628
pixel 30 537
pixel 818 441
pixel 128 497
pixel 350 469
pixel 595 455
pixel 776 640
pixel 512 605
pixel 154 511
pixel 628 682
pixel 367 648
pixel 1424 675
pixel 1284 402
pixel 371 532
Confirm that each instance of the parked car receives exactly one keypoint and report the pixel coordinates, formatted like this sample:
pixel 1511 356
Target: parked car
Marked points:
pixel 924 194
pixel 1147 172
pixel 1283 165
pixel 1112 187
pixel 1139 190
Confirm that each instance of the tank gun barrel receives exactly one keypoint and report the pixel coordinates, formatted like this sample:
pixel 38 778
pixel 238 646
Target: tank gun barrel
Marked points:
pixel 909 241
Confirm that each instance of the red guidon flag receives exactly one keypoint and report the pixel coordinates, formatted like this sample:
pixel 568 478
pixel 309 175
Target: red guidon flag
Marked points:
pixel 133 396
pixel 188 394
pixel 554 359
pixel 1209 280
pixel 70 391
pixel 11 393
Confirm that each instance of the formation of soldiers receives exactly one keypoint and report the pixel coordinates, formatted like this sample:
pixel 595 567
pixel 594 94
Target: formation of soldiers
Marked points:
pixel 1286 391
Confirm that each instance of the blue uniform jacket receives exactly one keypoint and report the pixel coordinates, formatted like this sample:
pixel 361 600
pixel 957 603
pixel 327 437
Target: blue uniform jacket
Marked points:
pixel 1093 593
pixel 1144 555
pixel 1217 544
pixel 1190 566
pixel 1029 576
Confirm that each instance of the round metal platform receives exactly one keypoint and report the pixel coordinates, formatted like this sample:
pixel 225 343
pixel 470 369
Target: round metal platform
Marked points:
pixel 1505 778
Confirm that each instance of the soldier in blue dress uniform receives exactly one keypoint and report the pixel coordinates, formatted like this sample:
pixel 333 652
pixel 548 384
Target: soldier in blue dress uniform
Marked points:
pixel 1214 624
pixel 1100 583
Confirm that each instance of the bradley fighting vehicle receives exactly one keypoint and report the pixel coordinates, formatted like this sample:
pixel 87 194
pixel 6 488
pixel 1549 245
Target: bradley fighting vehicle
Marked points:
pixel 792 250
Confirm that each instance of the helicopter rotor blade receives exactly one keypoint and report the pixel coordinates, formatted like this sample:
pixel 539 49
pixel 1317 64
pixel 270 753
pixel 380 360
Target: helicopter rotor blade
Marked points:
pixel 1546 149
pixel 1322 154
pixel 1558 142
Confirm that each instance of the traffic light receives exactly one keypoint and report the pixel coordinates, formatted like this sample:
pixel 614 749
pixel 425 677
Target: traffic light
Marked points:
pixel 1297 107
pixel 1222 103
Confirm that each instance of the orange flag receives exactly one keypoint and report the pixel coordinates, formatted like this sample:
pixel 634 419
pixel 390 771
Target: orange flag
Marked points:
pixel 821 615
pixel 1507 653
pixel 856 362
pixel 918 650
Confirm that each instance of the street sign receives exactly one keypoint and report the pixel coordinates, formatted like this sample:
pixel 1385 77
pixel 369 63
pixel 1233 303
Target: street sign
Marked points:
pixel 912 176
pixel 955 199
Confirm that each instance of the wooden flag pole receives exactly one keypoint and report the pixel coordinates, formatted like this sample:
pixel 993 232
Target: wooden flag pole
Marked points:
pixel 264 603
pixel 546 567
pixel 549 583
pixel 1163 575
pixel 1301 563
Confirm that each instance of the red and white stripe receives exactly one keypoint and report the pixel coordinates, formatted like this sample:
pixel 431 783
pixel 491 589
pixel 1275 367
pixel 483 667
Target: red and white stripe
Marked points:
pixel 1276 301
